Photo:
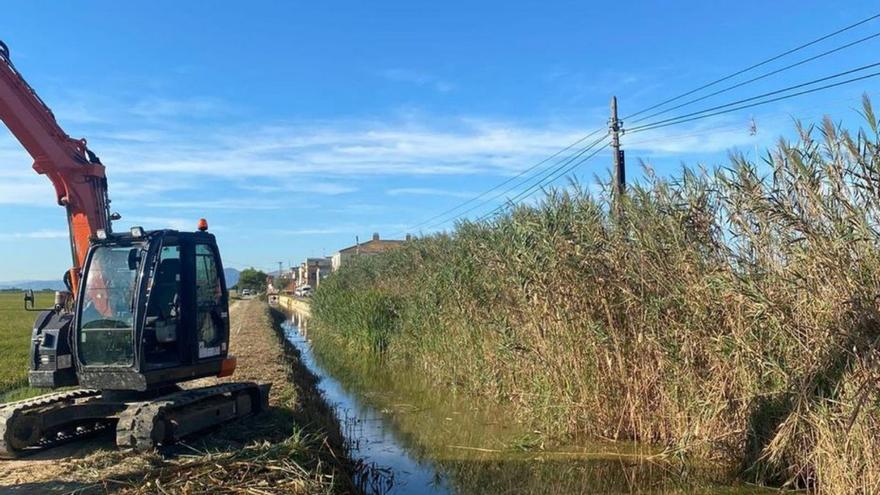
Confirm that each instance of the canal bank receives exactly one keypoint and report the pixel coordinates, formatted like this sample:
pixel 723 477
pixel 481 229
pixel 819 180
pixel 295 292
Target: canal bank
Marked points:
pixel 294 305
pixel 409 436
pixel 294 448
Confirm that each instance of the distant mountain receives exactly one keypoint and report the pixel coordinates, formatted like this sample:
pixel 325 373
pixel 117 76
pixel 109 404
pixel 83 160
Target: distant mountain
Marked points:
pixel 231 279
pixel 33 285
pixel 231 275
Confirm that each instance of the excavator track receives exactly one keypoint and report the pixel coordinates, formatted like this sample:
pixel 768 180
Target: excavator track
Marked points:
pixel 20 430
pixel 145 425
pixel 47 421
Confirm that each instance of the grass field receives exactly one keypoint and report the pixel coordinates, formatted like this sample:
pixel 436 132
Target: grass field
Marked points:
pixel 15 337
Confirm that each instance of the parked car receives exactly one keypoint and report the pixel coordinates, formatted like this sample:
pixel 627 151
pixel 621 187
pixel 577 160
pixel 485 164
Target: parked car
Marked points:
pixel 304 291
pixel 246 292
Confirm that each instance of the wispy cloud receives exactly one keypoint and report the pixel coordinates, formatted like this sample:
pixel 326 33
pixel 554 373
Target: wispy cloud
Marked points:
pixel 29 191
pixel 341 150
pixel 221 204
pixel 37 234
pixel 428 191
pixel 709 136
pixel 418 78
pixel 303 186
pixel 315 231
pixel 161 222
pixel 155 108
pixel 329 157
pixel 351 229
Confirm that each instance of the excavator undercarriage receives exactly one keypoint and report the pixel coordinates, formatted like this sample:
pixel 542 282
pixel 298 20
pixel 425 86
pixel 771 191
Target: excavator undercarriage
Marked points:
pixel 43 422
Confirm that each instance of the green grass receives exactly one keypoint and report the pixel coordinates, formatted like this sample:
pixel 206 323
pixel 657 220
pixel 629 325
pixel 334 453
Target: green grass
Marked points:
pixel 15 339
pixel 729 313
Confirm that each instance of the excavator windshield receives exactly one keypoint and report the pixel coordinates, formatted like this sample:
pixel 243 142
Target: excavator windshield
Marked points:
pixel 107 319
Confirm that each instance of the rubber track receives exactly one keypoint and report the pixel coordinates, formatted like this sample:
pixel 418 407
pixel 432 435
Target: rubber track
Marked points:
pixel 10 412
pixel 140 424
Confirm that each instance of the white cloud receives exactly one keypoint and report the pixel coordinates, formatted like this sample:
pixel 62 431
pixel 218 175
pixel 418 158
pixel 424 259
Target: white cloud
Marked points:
pixel 428 191
pixel 418 78
pixel 29 191
pixel 220 204
pixel 351 229
pixel 342 149
pixel 708 136
pixel 153 223
pixel 160 108
pixel 151 162
pixel 304 186
pixel 38 234
pixel 316 231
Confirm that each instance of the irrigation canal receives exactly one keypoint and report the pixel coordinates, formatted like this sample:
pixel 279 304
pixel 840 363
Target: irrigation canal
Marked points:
pixel 409 438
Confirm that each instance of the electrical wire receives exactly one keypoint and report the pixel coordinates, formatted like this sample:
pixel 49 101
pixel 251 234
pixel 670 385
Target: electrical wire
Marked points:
pixel 674 120
pixel 754 66
pixel 762 76
pixel 559 164
pixel 545 181
pixel 507 181
pixel 796 115
pixel 702 113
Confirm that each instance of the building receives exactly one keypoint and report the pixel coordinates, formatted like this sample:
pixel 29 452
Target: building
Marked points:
pixel 312 271
pixel 369 248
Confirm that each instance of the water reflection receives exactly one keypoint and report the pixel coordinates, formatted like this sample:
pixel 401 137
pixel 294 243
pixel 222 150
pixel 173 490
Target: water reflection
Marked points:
pixel 385 467
pixel 412 438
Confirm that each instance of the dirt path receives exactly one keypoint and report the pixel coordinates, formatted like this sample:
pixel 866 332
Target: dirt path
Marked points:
pixel 261 358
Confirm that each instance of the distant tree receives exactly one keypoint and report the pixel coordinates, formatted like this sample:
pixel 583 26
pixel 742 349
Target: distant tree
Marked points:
pixel 252 279
pixel 282 282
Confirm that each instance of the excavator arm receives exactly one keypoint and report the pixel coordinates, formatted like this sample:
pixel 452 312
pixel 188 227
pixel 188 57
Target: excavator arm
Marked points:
pixel 76 173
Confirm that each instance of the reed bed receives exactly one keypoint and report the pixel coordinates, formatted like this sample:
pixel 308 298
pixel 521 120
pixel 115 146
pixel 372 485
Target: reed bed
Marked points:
pixel 727 313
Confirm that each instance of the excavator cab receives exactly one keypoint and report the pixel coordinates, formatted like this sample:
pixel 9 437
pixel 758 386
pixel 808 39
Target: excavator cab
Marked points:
pixel 143 311
pixel 152 310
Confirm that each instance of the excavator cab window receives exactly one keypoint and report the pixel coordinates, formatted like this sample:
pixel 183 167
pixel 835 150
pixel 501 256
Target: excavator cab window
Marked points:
pixel 211 320
pixel 162 326
pixel 107 319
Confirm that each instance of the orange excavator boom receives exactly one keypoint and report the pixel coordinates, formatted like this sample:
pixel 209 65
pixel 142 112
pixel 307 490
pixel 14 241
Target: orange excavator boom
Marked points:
pixel 76 173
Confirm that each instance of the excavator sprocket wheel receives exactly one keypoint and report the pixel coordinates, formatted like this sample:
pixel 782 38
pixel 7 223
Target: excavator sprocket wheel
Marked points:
pixel 21 429
pixel 145 425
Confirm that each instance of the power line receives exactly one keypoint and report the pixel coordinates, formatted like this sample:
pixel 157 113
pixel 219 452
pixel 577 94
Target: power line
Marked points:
pixel 531 190
pixel 559 164
pixel 670 100
pixel 509 180
pixel 677 120
pixel 754 66
pixel 725 128
pixel 684 118
pixel 762 76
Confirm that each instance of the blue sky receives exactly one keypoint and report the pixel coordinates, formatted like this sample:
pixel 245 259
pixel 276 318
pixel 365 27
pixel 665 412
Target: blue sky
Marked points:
pixel 296 126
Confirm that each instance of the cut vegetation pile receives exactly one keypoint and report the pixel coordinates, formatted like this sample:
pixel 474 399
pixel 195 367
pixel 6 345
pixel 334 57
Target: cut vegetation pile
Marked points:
pixel 728 314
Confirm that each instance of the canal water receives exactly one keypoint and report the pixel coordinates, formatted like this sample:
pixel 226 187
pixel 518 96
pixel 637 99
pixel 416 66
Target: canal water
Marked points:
pixel 411 438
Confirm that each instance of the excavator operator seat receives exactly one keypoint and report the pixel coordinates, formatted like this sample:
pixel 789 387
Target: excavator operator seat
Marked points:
pixel 164 300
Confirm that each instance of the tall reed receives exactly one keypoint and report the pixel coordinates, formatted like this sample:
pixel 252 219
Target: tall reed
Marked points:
pixel 729 313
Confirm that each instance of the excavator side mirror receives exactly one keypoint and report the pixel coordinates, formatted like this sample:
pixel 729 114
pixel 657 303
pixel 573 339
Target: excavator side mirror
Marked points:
pixel 29 300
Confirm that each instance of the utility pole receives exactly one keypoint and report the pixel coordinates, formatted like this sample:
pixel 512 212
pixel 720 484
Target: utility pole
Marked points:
pixel 619 159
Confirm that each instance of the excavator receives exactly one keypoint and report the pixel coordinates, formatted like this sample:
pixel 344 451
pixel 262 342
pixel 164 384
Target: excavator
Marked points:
pixel 144 311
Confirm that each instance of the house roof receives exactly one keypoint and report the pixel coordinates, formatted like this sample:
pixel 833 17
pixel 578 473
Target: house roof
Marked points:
pixel 372 246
